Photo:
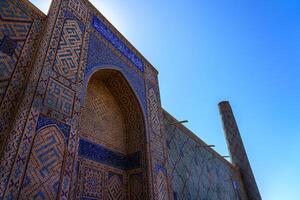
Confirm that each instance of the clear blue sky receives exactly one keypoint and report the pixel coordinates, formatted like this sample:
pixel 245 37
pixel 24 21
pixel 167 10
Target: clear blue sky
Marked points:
pixel 247 52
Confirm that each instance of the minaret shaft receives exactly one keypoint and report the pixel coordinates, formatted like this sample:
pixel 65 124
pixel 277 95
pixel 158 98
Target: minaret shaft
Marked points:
pixel 237 150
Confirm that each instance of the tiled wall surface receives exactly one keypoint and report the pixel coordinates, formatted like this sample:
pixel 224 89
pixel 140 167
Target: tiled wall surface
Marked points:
pixel 20 27
pixel 195 171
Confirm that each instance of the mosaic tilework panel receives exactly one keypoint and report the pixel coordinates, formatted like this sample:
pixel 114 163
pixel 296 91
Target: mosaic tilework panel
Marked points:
pixel 42 177
pixel 11 12
pixel 44 121
pixel 115 187
pixel 23 135
pixel 98 153
pixel 154 112
pixel 130 107
pixel 237 150
pixel 69 50
pixel 195 172
pixel 97 181
pixel 101 56
pixel 79 9
pixel 20 27
pixel 14 28
pixel 93 183
pixel 59 97
pixel 117 43
pixel 157 137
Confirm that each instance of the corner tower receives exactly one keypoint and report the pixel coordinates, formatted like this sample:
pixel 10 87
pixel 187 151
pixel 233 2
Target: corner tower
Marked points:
pixel 237 150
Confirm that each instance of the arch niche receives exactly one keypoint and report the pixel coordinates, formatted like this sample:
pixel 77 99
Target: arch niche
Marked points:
pixel 111 153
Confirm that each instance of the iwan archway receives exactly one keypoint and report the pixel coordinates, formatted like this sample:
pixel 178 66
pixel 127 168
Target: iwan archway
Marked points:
pixel 111 153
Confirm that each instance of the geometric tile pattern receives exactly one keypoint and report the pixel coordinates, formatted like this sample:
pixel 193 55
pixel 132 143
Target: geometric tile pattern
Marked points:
pixel 42 177
pixel 79 9
pixel 68 52
pixel 44 121
pixel 100 55
pixel 157 144
pixel 16 30
pixel 196 172
pixel 154 111
pixel 130 109
pixel 237 150
pixel 102 117
pixel 23 129
pixel 59 97
pixel 115 187
pixel 93 183
pixel 14 27
pixel 20 26
pixel 11 12
pixel 117 43
pixel 97 181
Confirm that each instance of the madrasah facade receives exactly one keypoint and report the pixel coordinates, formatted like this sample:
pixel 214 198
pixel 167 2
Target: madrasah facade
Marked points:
pixel 81 117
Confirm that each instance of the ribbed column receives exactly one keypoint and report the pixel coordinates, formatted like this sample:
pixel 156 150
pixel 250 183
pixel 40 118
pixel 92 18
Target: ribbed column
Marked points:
pixel 237 150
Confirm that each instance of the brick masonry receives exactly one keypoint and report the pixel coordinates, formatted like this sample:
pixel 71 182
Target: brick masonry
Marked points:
pixel 81 116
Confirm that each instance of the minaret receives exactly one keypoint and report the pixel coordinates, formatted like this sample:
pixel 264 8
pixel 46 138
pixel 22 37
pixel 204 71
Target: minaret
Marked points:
pixel 237 150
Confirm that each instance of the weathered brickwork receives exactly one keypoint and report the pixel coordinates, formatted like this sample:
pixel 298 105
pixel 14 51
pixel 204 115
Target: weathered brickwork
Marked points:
pixel 81 117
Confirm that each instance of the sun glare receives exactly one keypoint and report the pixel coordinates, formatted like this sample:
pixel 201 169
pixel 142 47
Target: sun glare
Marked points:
pixel 110 12
pixel 106 8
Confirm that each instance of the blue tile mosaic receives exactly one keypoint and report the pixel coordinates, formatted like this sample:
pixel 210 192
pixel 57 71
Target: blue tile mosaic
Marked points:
pixel 101 56
pixel 117 43
pixel 106 156
pixel 46 121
